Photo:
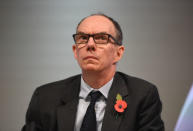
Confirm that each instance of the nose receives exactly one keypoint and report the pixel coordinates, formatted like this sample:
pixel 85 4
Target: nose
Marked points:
pixel 91 46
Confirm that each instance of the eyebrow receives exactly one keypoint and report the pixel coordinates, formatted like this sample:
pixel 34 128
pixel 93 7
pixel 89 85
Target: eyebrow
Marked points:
pixel 80 32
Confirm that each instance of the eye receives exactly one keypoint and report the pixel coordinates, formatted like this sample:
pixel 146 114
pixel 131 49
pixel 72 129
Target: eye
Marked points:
pixel 101 37
pixel 83 37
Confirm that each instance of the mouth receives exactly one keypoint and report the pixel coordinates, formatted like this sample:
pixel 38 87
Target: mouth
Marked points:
pixel 90 57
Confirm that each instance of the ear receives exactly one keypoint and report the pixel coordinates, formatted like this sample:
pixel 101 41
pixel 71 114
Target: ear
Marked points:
pixel 119 53
pixel 74 48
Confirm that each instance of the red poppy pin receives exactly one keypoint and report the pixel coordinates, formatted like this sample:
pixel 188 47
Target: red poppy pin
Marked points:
pixel 120 105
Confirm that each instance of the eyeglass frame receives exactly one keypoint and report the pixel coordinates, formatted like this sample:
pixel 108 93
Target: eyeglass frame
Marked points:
pixel 92 35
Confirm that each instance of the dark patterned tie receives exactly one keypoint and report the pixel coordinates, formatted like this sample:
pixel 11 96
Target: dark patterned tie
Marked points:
pixel 89 121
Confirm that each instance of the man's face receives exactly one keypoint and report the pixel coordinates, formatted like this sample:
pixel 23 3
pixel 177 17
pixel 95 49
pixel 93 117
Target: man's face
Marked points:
pixel 94 57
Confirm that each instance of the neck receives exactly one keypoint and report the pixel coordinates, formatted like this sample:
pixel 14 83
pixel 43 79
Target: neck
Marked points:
pixel 97 79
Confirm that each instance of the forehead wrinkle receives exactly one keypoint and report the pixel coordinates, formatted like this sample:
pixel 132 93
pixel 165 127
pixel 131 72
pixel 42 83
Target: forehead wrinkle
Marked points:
pixel 80 32
pixel 97 31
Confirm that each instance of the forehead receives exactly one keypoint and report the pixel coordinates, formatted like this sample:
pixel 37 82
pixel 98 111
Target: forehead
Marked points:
pixel 96 24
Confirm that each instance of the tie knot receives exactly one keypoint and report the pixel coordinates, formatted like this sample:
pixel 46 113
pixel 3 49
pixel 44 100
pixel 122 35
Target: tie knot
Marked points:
pixel 94 96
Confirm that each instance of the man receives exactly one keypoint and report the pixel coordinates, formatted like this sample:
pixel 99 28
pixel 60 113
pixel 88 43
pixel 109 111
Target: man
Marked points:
pixel 122 103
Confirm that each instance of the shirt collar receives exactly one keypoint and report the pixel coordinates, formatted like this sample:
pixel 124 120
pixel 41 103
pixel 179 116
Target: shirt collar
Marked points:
pixel 85 89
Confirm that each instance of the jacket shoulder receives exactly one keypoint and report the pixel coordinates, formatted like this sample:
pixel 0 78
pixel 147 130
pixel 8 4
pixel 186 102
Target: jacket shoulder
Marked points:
pixel 135 84
pixel 134 80
pixel 59 86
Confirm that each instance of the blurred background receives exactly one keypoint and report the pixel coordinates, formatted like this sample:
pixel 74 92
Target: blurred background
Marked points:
pixel 36 48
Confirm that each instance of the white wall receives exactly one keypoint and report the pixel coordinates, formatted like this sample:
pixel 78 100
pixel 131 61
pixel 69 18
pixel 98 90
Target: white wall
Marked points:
pixel 36 40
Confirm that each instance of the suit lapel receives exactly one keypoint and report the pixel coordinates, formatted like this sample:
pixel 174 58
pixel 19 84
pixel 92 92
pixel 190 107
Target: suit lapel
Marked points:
pixel 66 116
pixel 66 112
pixel 112 119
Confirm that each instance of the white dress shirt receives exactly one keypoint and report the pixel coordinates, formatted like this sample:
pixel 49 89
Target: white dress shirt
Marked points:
pixel 84 102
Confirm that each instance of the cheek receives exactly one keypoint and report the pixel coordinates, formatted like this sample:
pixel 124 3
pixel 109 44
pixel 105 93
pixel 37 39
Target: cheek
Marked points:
pixel 108 56
pixel 79 54
pixel 111 53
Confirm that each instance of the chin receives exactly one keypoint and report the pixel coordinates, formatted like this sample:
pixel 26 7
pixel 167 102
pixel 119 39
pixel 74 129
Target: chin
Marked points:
pixel 90 68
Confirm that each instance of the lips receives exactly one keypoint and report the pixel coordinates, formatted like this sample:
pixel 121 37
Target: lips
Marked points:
pixel 90 57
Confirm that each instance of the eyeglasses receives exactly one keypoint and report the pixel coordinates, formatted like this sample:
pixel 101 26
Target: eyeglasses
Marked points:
pixel 101 38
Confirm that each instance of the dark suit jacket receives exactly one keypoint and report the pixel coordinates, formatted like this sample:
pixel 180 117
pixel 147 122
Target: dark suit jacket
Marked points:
pixel 53 106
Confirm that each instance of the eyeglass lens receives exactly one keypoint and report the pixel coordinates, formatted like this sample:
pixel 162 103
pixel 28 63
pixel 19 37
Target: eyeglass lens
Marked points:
pixel 98 38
